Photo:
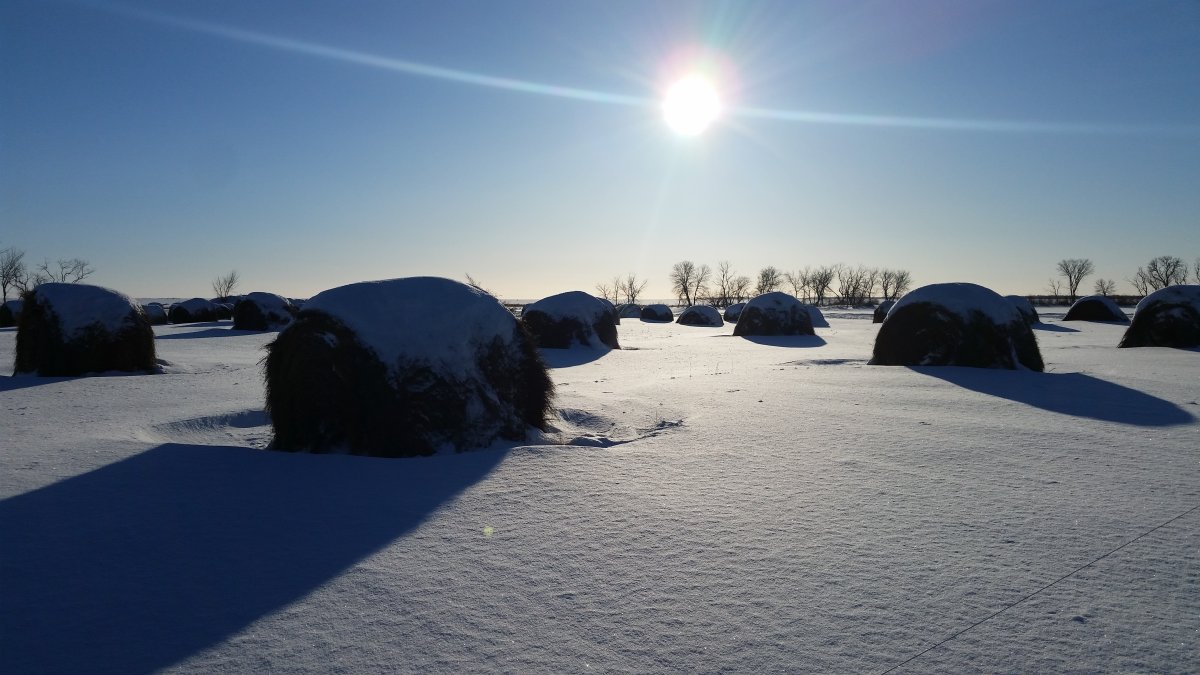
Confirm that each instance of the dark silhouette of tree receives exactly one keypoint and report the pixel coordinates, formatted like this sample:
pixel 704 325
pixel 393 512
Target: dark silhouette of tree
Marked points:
pixel 689 281
pixel 769 279
pixel 1105 287
pixel 223 286
pixel 12 270
pixel 1163 271
pixel 1074 270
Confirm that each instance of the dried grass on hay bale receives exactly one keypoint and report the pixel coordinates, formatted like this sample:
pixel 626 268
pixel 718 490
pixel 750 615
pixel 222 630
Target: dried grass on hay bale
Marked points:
pixel 572 318
pixel 1168 317
pixel 76 329
pixel 774 313
pixel 657 313
pixel 1095 308
pixel 881 311
pixel 733 311
pixel 262 311
pixel 1025 307
pixel 701 315
pixel 192 311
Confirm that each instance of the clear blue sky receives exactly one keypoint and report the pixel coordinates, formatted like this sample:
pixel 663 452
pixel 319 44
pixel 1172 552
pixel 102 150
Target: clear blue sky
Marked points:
pixel 312 144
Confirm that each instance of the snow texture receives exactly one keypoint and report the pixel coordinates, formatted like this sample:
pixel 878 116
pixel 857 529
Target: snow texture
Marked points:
pixel 1183 294
pixel 702 504
pixel 79 306
pixel 701 315
pixel 1111 308
pixel 962 299
pixel 570 305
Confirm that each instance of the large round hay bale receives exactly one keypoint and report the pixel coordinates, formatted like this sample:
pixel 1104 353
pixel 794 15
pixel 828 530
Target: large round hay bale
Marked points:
pixel 568 319
pixel 262 311
pixel 701 315
pixel 614 316
pixel 956 325
pixel 1168 317
pixel 192 311
pixel 76 329
pixel 1096 308
pixel 10 313
pixel 774 313
pixel 657 313
pixel 818 319
pixel 224 311
pixel 155 313
pixel 733 311
pixel 403 367
pixel 881 311
pixel 1025 307
pixel 629 311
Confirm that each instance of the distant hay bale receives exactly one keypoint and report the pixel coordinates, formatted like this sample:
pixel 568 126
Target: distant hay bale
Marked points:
pixel 882 310
pixel 818 319
pixel 192 311
pixel 1096 308
pixel 733 311
pixel 572 318
pixel 404 367
pixel 657 313
pixel 10 313
pixel 612 310
pixel 956 325
pixel 262 311
pixel 1168 317
pixel 701 315
pixel 77 329
pixel 224 311
pixel 1025 307
pixel 155 313
pixel 629 311
pixel 774 313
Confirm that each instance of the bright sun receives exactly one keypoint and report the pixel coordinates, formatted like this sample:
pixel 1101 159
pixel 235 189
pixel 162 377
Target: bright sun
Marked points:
pixel 691 105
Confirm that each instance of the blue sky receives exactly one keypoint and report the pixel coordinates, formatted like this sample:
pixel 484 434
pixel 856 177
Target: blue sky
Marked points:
pixel 300 143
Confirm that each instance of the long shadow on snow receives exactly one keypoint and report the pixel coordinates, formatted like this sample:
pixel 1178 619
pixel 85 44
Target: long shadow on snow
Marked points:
pixel 785 340
pixel 15 382
pixel 210 333
pixel 575 356
pixel 1053 328
pixel 1072 394
pixel 137 565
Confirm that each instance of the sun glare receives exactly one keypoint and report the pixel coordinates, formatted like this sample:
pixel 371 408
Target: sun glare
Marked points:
pixel 691 105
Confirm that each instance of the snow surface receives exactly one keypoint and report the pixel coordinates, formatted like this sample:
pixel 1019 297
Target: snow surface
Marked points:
pixel 702 503
pixel 1184 294
pixel 962 299
pixel 79 306
pixel 439 321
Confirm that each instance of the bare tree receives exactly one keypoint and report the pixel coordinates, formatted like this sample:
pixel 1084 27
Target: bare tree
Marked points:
pixel 821 282
pixel 1163 271
pixel 689 281
pixel 1074 270
pixel 1055 287
pixel 1196 271
pixel 1105 287
pixel 724 286
pixel 856 284
pixel 12 269
pixel 223 286
pixel 903 283
pixel 611 291
pixel 799 281
pixel 741 289
pixel 632 288
pixel 769 279
pixel 65 271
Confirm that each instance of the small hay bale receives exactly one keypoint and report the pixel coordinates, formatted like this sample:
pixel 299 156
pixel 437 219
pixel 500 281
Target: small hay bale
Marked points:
pixel 881 311
pixel 1096 308
pixel 404 367
pixel 1025 307
pixel 733 311
pixel 224 311
pixel 572 318
pixel 658 312
pixel 155 313
pixel 10 313
pixel 192 311
pixel 701 315
pixel 956 325
pixel 818 319
pixel 629 311
pixel 612 310
pixel 774 313
pixel 262 311
pixel 77 329
pixel 1168 317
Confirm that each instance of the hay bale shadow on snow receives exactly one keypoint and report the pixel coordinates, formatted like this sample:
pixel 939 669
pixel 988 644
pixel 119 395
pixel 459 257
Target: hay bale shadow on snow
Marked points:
pixel 926 334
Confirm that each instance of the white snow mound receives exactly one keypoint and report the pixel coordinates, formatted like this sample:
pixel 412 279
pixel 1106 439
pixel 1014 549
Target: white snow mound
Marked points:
pixel 79 306
pixel 962 299
pixel 1184 294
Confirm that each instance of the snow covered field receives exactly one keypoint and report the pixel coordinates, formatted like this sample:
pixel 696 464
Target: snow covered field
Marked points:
pixel 705 503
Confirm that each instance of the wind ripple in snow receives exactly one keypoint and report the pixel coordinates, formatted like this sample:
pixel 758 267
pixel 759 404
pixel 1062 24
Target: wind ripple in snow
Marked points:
pixel 248 428
pixel 603 429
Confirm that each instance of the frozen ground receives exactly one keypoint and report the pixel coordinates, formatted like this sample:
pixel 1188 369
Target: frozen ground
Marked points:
pixel 705 503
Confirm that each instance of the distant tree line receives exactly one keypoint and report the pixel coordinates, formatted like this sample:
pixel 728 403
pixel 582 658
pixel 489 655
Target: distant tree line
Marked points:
pixel 1160 272
pixel 15 275
pixel 693 283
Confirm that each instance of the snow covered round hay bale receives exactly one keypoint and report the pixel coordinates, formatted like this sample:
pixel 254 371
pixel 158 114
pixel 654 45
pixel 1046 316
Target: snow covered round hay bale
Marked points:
pixel 10 313
pixel 612 311
pixel 657 313
pixel 881 311
pixel 732 312
pixel 629 311
pixel 1025 307
pixel 75 329
pixel 403 367
pixel 190 311
pixel 1168 317
pixel 701 315
pixel 262 311
pixel 155 313
pixel 818 319
pixel 572 318
pixel 774 313
pixel 956 324
pixel 1095 308
pixel 224 311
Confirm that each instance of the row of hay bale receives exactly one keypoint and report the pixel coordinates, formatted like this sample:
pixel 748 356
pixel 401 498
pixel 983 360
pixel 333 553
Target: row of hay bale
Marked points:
pixel 253 311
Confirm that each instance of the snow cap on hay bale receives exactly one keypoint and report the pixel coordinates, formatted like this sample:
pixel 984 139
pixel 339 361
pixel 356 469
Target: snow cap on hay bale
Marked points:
pixel 657 313
pixel 1095 308
pixel 956 325
pixel 882 310
pixel 563 320
pixel 1025 307
pixel 612 310
pixel 10 313
pixel 224 311
pixel 629 311
pixel 1168 317
pixel 818 319
pixel 732 312
pixel 403 367
pixel 191 311
pixel 774 313
pixel 155 313
pixel 701 315
pixel 262 311
pixel 75 329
